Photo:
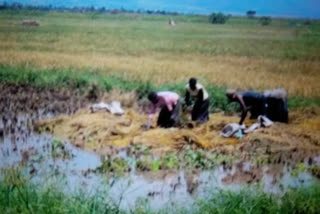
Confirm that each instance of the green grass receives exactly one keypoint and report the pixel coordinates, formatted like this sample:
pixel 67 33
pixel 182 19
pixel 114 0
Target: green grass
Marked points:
pixel 135 35
pixel 83 79
pixel 303 200
pixel 18 195
pixel 240 54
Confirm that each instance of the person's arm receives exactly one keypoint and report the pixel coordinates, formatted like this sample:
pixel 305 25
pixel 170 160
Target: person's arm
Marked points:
pixel 244 108
pixel 200 95
pixel 187 98
pixel 151 115
pixel 169 106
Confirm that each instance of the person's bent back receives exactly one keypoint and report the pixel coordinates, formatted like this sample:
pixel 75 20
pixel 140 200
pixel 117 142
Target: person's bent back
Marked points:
pixel 169 105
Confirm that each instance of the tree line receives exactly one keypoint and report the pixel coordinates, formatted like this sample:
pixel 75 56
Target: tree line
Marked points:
pixel 82 9
pixel 220 18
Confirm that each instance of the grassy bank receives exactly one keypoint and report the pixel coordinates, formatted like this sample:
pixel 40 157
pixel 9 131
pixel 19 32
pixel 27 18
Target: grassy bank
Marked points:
pixel 45 78
pixel 18 195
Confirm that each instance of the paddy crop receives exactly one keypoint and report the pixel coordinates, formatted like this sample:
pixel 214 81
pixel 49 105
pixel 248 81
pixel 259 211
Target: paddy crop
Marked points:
pixel 96 53
pixel 240 54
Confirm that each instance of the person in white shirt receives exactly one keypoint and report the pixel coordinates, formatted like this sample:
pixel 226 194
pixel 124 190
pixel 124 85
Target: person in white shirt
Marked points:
pixel 200 110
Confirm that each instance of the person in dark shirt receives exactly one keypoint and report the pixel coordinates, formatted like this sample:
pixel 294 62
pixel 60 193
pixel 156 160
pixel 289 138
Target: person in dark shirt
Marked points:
pixel 277 105
pixel 200 110
pixel 249 101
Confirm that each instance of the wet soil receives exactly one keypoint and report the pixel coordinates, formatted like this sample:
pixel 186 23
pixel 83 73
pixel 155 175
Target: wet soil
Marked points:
pixel 284 155
pixel 15 99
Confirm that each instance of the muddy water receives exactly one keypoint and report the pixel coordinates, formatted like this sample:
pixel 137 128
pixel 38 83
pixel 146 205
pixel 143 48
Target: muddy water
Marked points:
pixel 47 161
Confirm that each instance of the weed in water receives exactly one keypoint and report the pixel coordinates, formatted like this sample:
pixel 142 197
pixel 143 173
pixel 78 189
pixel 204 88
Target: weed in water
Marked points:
pixel 113 166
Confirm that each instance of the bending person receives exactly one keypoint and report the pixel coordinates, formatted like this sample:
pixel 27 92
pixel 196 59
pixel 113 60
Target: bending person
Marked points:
pixel 169 104
pixel 200 110
pixel 249 101
pixel 277 105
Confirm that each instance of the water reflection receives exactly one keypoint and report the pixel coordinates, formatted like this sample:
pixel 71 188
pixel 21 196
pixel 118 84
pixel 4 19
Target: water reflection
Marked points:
pixel 20 145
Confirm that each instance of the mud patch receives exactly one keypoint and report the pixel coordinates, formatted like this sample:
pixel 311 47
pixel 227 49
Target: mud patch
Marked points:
pixel 15 99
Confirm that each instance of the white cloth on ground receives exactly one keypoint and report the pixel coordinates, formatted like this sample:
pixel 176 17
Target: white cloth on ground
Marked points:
pixel 232 130
pixel 236 130
pixel 114 107
pixel 262 121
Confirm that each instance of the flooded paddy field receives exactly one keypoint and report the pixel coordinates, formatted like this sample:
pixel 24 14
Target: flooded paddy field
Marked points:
pixel 56 156
pixel 53 138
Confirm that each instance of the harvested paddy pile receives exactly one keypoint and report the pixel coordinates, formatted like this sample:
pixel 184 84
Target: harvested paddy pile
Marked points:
pixel 102 132
pixel 302 131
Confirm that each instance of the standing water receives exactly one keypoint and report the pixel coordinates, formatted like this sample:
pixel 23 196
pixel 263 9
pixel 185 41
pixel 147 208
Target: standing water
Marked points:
pixel 47 160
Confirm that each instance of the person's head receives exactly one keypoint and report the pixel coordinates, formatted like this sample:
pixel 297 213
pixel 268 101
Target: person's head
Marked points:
pixel 193 83
pixel 231 94
pixel 153 97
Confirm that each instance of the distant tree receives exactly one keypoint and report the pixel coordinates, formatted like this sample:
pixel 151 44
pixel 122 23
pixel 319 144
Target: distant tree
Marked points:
pixel 16 5
pixel 4 6
pixel 251 13
pixel 75 9
pixel 265 20
pixel 218 18
pixel 101 10
pixel 115 11
pixel 307 22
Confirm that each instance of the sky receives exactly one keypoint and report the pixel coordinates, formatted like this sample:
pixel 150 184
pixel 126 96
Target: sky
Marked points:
pixel 284 8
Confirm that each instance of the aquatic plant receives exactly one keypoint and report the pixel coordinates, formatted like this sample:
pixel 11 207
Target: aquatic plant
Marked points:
pixel 169 161
pixel 199 158
pixel 315 170
pixel 113 166
pixel 58 150
pixel 145 163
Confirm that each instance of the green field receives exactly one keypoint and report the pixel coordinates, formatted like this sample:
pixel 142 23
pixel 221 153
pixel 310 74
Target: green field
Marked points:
pixel 240 54
pixel 142 53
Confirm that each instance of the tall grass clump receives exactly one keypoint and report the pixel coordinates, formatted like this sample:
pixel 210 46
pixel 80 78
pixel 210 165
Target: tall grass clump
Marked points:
pixel 18 195
pixel 301 200
pixel 241 202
